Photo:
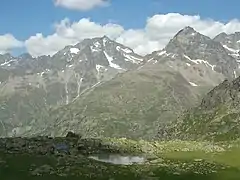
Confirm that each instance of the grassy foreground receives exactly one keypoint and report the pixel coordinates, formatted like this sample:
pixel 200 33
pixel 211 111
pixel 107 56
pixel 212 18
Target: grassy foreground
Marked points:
pixel 170 160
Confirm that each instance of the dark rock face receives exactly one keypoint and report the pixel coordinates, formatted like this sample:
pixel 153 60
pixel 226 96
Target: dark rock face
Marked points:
pixel 216 96
pixel 227 93
pixel 72 135
pixel 216 118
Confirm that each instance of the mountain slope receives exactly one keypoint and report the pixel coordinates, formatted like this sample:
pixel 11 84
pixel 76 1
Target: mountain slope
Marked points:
pixel 31 86
pixel 216 118
pixel 101 88
pixel 131 105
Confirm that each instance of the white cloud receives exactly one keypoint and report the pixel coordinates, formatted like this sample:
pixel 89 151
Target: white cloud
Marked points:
pixel 139 41
pixel 159 29
pixel 8 42
pixel 82 5
pixel 68 33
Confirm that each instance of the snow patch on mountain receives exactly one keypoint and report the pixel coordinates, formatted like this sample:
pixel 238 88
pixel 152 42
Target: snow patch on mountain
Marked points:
pixel 97 44
pixel 193 84
pixel 150 59
pixel 7 63
pixel 111 64
pixel 200 61
pixel 235 74
pixel 133 59
pixel 126 50
pixel 74 50
pixel 230 49
pixel 162 53
pixel 235 53
pixel 104 41
pixel 98 67
pixel 93 49
pixel 69 66
pixel 165 54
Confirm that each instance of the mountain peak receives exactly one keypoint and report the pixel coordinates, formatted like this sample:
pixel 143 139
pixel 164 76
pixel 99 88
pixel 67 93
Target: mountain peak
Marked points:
pixel 7 55
pixel 89 41
pixel 193 46
pixel 223 34
pixel 186 37
pixel 105 37
pixel 220 36
pixel 188 28
pixel 25 56
pixel 185 31
pixel 237 33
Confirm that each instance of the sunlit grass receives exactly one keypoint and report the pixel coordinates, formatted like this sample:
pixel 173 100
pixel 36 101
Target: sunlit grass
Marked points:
pixel 229 157
pixel 178 160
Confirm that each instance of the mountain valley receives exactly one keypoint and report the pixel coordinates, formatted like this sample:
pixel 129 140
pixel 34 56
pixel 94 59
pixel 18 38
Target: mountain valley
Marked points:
pixel 177 109
pixel 99 87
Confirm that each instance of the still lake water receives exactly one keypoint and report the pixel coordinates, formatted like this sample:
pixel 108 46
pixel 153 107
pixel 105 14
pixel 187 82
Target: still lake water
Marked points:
pixel 118 159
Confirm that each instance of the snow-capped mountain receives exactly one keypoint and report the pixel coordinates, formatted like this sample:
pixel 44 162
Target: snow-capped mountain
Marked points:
pixel 98 52
pixel 231 42
pixel 92 60
pixel 59 79
pixel 90 71
pixel 96 59
pixel 200 59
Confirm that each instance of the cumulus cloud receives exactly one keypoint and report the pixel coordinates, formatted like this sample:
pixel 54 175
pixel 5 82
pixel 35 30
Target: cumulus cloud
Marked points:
pixel 82 5
pixel 68 33
pixel 8 42
pixel 159 29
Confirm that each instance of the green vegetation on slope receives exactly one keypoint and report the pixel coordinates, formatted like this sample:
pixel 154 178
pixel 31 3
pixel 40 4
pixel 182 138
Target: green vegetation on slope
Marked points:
pixel 131 105
pixel 217 118
pixel 170 160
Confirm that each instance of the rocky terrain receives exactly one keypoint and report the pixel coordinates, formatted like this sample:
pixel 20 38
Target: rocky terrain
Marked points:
pixel 31 86
pixel 216 118
pixel 131 105
pixel 69 158
pixel 200 59
pixel 231 42
pixel 135 104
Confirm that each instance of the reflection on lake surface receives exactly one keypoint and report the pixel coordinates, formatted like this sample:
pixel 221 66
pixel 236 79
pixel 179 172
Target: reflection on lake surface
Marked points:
pixel 118 159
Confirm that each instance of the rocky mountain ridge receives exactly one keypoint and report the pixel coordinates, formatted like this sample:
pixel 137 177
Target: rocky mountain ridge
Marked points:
pixel 174 83
pixel 101 85
pixel 58 80
pixel 231 42
pixel 200 59
pixel 216 118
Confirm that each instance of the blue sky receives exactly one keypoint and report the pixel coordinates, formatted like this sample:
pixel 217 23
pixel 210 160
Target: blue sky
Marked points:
pixel 25 18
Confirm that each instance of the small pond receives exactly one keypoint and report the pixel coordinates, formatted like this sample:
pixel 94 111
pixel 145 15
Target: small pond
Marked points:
pixel 118 159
